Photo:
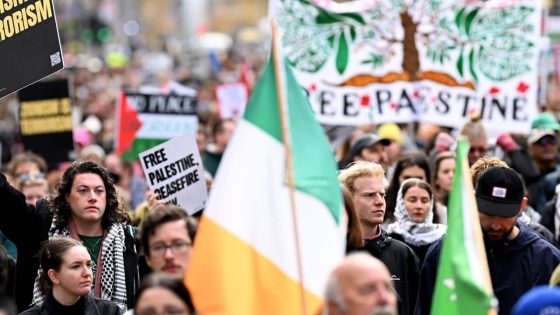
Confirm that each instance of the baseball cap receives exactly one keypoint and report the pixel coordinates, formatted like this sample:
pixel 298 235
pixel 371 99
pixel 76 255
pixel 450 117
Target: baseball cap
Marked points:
pixel 539 300
pixel 390 131
pixel 537 134
pixel 545 121
pixel 499 192
pixel 366 141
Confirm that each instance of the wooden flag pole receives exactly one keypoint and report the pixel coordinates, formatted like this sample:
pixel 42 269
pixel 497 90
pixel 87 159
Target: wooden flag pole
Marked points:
pixel 280 91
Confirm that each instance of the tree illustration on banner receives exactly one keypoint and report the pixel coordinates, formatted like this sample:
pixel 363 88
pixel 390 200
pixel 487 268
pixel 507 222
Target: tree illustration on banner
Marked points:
pixel 496 43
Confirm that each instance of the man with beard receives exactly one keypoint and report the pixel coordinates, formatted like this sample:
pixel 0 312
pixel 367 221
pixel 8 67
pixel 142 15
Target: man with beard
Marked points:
pixel 360 284
pixel 518 258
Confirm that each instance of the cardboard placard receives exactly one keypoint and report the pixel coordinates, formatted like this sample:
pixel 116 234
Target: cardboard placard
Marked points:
pixel 174 171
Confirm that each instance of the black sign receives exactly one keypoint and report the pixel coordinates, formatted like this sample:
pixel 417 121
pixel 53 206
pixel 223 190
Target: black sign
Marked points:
pixel 169 104
pixel 46 120
pixel 29 44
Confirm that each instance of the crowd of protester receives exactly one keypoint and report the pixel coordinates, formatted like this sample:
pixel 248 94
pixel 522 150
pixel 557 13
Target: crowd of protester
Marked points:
pixel 87 236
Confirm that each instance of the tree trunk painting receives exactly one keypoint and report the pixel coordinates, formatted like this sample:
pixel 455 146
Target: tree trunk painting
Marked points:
pixel 410 63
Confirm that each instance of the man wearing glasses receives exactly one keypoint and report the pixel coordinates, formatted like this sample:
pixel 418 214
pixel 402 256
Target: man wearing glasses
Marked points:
pixel 538 164
pixel 543 151
pixel 166 237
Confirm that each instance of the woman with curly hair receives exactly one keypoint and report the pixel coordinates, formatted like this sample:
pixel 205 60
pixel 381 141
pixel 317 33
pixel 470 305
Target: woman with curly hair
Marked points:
pixel 85 207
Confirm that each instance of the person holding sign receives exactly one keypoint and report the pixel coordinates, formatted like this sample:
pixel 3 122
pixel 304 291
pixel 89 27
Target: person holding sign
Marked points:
pixel 85 207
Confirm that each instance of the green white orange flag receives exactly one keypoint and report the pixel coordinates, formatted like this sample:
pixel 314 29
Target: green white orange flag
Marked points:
pixel 245 257
pixel 463 284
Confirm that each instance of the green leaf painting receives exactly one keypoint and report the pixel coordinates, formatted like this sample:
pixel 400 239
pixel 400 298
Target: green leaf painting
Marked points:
pixel 494 43
pixel 343 54
pixel 499 68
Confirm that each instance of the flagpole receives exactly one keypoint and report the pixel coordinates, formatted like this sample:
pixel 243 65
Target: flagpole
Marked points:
pixel 280 89
pixel 477 232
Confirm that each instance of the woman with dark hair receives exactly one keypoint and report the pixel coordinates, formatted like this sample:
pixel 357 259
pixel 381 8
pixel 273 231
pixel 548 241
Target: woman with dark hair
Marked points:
pixel 442 178
pixel 65 280
pixel 161 293
pixel 414 217
pixel 354 234
pixel 410 165
pixel 85 207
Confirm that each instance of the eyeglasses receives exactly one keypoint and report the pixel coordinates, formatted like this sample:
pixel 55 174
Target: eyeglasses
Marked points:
pixel 177 248
pixel 481 150
pixel 26 177
pixel 547 140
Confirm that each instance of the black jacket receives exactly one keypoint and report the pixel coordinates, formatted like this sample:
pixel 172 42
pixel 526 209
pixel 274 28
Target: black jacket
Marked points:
pixel 547 219
pixel 28 226
pixel 515 268
pixel 419 250
pixel 86 306
pixel 402 264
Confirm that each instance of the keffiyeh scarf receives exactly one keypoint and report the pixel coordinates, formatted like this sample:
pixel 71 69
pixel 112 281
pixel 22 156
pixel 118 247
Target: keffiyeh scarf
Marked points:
pixel 417 234
pixel 109 283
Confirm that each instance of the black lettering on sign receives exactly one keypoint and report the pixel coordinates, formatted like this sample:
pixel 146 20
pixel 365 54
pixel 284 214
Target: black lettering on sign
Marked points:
pixel 383 97
pixel 326 98
pixel 351 104
pixel 155 158
pixel 519 104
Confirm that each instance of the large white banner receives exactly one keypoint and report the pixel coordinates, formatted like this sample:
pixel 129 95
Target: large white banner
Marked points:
pixel 399 61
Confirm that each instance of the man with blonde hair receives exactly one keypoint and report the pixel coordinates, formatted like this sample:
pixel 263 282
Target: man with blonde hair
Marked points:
pixel 364 180
pixel 360 284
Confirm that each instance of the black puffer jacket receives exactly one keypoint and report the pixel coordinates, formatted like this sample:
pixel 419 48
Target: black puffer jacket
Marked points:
pixel 403 265
pixel 27 226
pixel 86 306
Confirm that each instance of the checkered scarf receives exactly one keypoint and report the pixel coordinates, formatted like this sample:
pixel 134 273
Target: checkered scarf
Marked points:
pixel 110 283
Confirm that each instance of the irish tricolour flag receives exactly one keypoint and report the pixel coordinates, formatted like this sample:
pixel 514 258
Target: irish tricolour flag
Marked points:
pixel 248 256
pixel 463 282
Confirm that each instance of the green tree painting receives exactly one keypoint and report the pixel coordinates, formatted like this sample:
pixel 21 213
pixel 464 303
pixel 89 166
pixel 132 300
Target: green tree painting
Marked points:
pixel 496 43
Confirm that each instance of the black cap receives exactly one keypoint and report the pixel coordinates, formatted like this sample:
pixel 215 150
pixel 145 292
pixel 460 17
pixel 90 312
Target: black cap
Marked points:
pixel 367 141
pixel 499 192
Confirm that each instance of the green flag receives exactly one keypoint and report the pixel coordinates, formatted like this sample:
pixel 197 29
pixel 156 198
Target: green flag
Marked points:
pixel 463 282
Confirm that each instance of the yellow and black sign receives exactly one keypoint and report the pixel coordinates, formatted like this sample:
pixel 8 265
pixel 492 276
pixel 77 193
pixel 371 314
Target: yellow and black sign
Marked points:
pixel 29 43
pixel 46 120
